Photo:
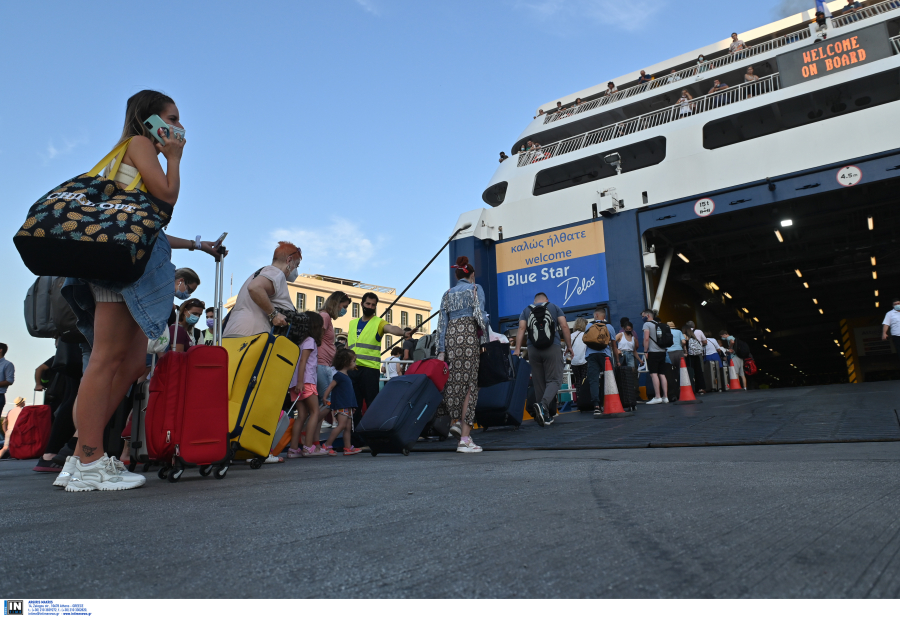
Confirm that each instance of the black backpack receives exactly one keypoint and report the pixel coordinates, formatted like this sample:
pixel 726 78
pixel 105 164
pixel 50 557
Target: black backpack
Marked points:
pixel 664 337
pixel 741 349
pixel 540 326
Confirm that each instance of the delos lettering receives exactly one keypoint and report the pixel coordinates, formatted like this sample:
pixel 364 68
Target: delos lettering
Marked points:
pixel 831 55
pixel 84 201
pixel 569 265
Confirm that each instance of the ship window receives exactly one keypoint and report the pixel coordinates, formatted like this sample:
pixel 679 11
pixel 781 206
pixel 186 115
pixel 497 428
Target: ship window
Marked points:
pixel 839 100
pixel 590 168
pixel 495 195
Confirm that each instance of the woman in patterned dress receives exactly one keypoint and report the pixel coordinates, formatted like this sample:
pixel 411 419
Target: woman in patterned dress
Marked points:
pixel 459 339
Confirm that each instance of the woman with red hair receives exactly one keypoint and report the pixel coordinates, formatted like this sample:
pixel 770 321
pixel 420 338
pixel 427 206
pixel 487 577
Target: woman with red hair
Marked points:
pixel 463 323
pixel 264 297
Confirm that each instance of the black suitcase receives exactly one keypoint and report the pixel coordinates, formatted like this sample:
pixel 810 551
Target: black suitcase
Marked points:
pixel 504 404
pixel 583 396
pixel 399 413
pixel 626 382
pixel 438 427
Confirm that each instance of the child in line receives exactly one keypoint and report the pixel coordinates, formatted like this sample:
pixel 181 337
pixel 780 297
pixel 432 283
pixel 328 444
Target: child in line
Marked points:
pixel 342 399
pixel 303 389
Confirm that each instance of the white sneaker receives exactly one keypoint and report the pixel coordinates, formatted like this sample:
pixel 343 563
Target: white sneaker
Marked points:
pixel 665 400
pixel 468 446
pixel 326 425
pixel 655 401
pixel 105 474
pixel 63 478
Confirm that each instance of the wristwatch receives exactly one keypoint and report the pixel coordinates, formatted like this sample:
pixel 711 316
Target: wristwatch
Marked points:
pixel 272 315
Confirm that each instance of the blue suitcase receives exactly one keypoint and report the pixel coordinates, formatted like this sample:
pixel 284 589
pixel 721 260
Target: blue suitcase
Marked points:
pixel 399 414
pixel 504 403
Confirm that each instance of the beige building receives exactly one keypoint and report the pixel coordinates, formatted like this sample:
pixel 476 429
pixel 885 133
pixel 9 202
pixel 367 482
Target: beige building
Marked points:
pixel 309 292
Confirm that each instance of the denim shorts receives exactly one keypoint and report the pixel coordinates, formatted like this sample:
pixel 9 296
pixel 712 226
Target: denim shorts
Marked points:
pixel 324 377
pixel 149 299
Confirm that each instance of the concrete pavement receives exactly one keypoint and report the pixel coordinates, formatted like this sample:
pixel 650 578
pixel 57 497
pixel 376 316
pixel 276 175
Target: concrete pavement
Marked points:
pixel 746 521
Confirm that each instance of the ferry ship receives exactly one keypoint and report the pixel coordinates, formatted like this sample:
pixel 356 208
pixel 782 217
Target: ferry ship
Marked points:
pixel 767 207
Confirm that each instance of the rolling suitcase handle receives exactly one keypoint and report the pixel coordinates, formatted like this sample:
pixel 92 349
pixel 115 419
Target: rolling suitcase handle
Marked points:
pixel 218 307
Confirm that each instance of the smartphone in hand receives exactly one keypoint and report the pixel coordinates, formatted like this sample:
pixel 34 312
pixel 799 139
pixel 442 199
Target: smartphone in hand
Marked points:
pixel 157 127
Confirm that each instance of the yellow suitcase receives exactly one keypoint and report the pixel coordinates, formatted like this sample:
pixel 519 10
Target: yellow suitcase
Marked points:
pixel 260 368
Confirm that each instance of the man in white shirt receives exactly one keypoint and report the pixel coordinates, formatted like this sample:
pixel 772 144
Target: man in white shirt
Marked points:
pixel 392 366
pixel 736 44
pixel 891 325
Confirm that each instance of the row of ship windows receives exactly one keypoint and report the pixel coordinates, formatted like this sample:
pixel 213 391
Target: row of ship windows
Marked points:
pixel 760 121
pixel 355 310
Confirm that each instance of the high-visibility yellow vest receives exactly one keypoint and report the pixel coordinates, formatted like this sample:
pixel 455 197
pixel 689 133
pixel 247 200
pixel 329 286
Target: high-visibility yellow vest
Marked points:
pixel 367 346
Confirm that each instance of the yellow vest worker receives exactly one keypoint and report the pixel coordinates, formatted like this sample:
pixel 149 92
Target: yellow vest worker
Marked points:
pixel 364 338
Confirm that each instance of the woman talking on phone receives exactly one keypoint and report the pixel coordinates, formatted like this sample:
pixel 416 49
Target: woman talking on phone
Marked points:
pixel 118 318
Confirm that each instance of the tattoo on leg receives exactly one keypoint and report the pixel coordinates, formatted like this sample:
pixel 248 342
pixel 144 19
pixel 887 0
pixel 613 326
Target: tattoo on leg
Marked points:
pixel 88 450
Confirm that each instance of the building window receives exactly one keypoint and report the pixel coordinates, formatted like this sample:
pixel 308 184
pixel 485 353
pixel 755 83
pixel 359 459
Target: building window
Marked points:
pixel 320 302
pixel 338 331
pixel 355 310
pixel 301 302
pixel 388 342
pixel 404 319
pixel 389 316
pixel 418 320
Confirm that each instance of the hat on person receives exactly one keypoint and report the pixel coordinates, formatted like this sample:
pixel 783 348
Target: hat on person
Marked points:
pixel 671 324
pixel 19 401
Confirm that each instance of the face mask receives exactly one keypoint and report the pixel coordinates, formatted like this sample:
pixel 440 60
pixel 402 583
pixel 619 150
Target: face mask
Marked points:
pixel 210 322
pixel 897 307
pixel 645 318
pixel 342 312
pixel 182 295
pixel 292 275
pixel 368 312
pixel 192 319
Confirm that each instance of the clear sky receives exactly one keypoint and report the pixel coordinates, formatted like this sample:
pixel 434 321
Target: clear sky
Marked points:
pixel 359 129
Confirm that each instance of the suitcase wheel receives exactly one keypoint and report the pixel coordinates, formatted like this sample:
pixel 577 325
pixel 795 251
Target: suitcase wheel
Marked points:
pixel 220 472
pixel 132 466
pixel 256 463
pixel 163 472
pixel 175 473
pixel 146 467
pixel 205 470
pixel 405 451
pixel 374 453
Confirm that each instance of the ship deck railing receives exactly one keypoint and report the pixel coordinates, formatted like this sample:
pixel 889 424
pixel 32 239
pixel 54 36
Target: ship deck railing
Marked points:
pixel 698 105
pixel 896 41
pixel 698 69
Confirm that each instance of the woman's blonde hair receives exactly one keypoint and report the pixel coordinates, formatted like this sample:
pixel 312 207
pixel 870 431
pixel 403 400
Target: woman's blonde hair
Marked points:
pixel 580 324
pixel 332 305
pixel 141 106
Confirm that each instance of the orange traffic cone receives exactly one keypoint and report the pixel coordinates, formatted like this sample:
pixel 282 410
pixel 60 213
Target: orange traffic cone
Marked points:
pixel 685 392
pixel 612 404
pixel 733 383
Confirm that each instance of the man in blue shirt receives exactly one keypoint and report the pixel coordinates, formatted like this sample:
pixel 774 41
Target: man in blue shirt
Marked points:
pixel 7 374
pixel 596 361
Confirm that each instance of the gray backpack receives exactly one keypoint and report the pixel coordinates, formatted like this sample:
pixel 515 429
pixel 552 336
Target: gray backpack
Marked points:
pixel 39 308
pixel 426 347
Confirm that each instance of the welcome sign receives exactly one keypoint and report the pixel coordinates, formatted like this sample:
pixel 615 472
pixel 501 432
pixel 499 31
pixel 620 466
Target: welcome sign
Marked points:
pixel 834 54
pixel 569 265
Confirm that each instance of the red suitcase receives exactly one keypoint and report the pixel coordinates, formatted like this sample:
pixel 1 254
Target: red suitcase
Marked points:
pixel 186 421
pixel 437 371
pixel 31 432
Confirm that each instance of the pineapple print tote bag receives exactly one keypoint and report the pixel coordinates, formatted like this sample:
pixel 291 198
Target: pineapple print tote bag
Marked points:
pixel 91 227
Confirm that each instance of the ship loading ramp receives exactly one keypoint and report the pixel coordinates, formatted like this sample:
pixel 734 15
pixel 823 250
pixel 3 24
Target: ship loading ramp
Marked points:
pixel 804 281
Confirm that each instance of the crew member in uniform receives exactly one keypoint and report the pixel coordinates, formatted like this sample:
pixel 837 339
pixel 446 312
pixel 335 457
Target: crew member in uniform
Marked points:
pixel 364 338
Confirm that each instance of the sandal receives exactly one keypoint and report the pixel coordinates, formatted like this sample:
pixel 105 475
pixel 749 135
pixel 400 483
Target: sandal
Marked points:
pixel 351 451
pixel 273 459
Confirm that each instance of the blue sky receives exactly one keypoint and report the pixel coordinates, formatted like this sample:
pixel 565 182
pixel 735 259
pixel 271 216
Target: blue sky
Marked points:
pixel 360 129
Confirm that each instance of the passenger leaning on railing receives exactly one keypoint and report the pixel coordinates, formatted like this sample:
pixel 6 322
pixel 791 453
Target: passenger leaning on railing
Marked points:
pixel 687 108
pixel 736 44
pixel 610 89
